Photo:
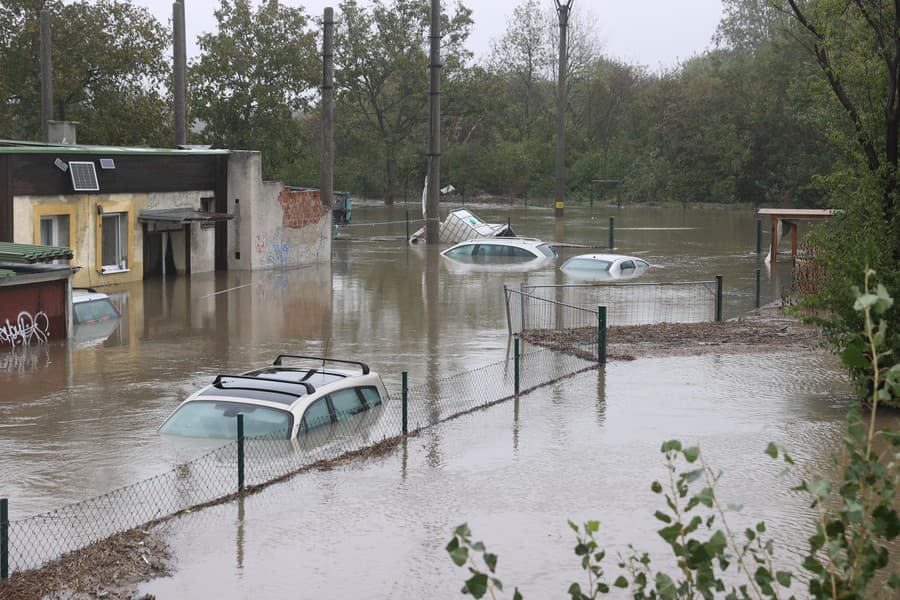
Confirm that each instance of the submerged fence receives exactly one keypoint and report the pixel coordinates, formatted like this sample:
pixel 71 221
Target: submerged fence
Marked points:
pixel 571 306
pixel 254 463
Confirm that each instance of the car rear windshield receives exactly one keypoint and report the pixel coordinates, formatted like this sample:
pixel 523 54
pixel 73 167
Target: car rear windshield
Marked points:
pixel 588 263
pixel 211 419
pixel 95 310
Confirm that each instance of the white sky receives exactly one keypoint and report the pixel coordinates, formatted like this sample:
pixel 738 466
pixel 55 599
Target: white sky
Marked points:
pixel 654 33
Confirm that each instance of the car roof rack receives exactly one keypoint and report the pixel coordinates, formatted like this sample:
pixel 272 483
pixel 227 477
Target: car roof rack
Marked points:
pixel 362 365
pixel 310 389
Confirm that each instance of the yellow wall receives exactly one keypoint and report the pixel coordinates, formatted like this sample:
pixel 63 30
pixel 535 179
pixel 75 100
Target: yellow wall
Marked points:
pixel 85 231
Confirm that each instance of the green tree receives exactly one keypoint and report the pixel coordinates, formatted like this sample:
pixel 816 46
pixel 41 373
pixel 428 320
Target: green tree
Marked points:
pixel 856 46
pixel 381 69
pixel 251 86
pixel 109 71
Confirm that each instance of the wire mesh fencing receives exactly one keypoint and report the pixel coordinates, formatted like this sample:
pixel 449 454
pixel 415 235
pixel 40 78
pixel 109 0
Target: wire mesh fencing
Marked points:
pixel 571 305
pixel 253 463
pixel 397 228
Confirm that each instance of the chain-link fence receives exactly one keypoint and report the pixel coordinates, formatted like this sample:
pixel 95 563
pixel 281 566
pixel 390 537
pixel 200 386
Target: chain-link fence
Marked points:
pixel 216 476
pixel 575 305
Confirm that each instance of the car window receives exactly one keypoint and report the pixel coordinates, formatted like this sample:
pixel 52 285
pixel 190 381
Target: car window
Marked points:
pixel 460 251
pixel 628 264
pixel 218 420
pixel 316 415
pixel 94 310
pixel 371 395
pixel 346 403
pixel 520 252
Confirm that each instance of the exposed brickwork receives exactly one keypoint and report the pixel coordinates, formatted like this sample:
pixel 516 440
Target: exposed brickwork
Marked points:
pixel 301 208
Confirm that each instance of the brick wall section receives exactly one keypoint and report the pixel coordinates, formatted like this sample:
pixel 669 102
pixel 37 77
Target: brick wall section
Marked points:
pixel 301 208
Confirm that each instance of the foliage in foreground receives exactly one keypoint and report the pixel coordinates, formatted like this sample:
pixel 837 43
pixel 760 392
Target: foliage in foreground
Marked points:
pixel 856 516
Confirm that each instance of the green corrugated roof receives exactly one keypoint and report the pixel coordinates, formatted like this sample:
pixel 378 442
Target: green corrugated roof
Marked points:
pixel 29 253
pixel 6 273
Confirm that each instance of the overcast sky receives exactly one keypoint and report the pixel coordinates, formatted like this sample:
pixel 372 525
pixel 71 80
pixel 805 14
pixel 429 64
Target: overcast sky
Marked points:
pixel 653 33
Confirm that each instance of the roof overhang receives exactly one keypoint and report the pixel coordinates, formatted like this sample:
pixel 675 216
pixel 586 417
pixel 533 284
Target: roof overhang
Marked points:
pixel 31 253
pixel 167 219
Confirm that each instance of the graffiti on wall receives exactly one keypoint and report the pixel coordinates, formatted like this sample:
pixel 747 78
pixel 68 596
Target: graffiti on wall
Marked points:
pixel 273 250
pixel 28 329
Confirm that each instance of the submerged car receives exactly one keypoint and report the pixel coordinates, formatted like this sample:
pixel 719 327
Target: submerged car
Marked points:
pixel 500 251
pixel 91 306
pixel 278 401
pixel 605 266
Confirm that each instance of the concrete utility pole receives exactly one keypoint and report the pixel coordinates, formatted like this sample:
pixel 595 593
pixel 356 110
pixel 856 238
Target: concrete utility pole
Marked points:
pixel 180 59
pixel 46 77
pixel 432 205
pixel 326 185
pixel 563 8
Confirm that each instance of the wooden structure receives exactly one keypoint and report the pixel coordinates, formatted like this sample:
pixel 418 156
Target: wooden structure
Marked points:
pixel 789 217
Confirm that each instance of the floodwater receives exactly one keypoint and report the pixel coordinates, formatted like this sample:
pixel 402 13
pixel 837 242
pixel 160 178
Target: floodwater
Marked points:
pixel 78 422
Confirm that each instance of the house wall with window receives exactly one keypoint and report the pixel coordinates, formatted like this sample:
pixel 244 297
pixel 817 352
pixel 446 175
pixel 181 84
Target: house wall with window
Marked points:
pixel 101 230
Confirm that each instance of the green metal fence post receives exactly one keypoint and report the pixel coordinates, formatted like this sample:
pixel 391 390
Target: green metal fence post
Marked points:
pixel 405 394
pixel 757 288
pixel 516 362
pixel 4 538
pixel 718 298
pixel 612 233
pixel 601 335
pixel 240 451
pixel 759 236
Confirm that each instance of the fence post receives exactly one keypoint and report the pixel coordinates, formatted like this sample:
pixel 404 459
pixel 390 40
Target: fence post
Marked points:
pixel 718 298
pixel 404 393
pixel 516 362
pixel 407 225
pixel 4 538
pixel 759 236
pixel 601 335
pixel 240 451
pixel 757 288
pixel 612 233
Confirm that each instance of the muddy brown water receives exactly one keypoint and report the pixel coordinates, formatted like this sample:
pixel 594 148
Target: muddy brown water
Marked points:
pixel 80 421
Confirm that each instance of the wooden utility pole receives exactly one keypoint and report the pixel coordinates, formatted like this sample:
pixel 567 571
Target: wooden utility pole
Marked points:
pixel 563 8
pixel 46 77
pixel 432 205
pixel 326 185
pixel 179 54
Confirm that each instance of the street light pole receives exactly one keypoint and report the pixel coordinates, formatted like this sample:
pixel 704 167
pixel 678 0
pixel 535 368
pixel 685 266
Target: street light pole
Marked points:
pixel 432 217
pixel 563 8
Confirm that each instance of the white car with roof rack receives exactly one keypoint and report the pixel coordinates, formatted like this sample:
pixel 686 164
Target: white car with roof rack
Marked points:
pixel 278 401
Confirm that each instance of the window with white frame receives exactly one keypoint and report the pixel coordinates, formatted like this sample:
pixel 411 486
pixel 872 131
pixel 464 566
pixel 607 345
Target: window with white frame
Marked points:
pixel 55 230
pixel 114 242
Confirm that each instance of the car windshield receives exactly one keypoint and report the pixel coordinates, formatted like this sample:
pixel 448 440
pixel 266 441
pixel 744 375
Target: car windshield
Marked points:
pixel 547 250
pixel 216 419
pixel 95 310
pixel 579 264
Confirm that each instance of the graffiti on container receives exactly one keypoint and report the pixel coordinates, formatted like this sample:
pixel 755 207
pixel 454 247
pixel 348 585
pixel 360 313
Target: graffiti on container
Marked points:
pixel 273 251
pixel 28 329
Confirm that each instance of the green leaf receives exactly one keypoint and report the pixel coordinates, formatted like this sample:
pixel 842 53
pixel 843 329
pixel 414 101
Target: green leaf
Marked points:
pixel 621 582
pixel 477 585
pixel 491 561
pixel 665 586
pixel 854 358
pixel 517 595
pixel 670 533
pixel 463 531
pixel 656 487
pixel 820 487
pixel 691 454
pixel 717 543
pixel 670 446
pixel 865 301
pixel 662 516
pixel 592 526
pixel 459 556
pixel 783 578
pixel 694 475
pixel 772 450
